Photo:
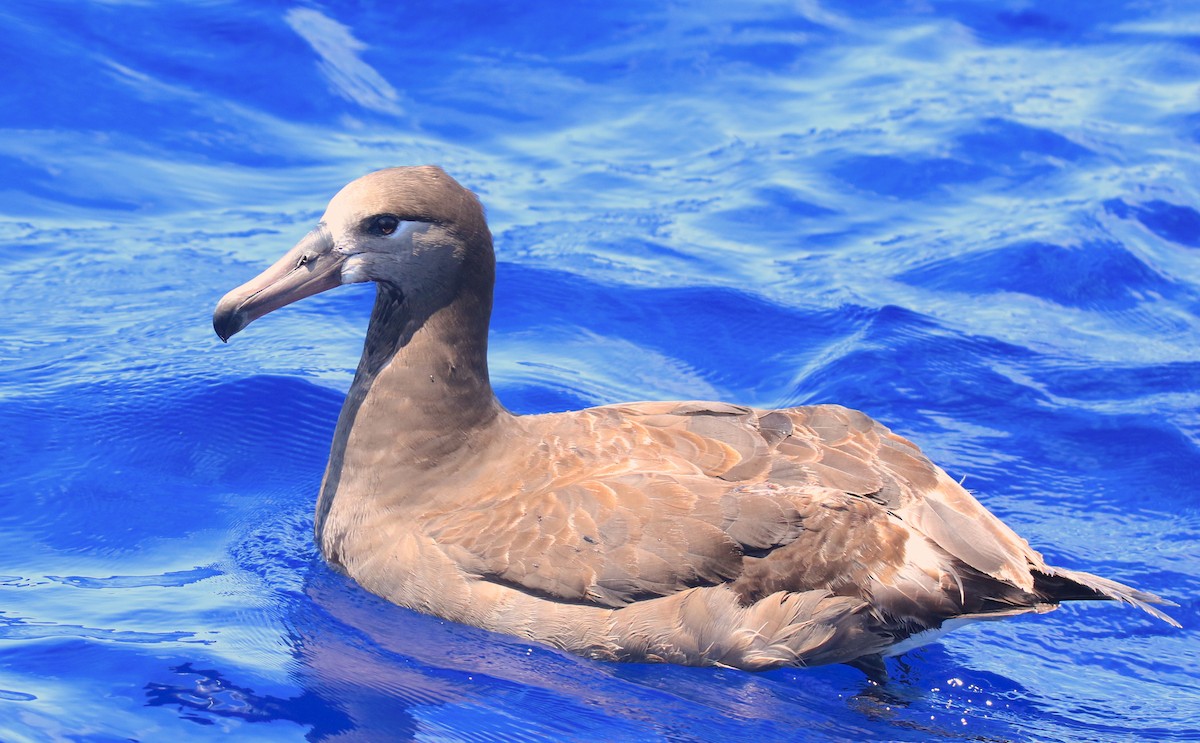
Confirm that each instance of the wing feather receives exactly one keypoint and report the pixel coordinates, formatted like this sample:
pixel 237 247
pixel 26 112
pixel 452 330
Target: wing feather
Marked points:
pixel 632 501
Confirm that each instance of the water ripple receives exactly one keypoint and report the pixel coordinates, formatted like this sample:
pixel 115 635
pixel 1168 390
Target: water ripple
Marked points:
pixel 978 222
pixel 166 580
pixel 17 628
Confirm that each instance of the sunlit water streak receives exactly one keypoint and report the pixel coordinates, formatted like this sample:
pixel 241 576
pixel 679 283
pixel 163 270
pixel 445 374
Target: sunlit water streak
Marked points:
pixel 978 222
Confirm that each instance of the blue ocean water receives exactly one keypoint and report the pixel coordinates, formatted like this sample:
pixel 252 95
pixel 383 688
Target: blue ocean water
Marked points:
pixel 979 222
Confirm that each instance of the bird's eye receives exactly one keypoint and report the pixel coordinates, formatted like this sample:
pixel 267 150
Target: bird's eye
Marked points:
pixel 385 224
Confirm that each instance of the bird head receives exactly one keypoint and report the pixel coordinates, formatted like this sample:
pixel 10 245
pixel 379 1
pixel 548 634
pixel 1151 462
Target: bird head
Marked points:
pixel 413 229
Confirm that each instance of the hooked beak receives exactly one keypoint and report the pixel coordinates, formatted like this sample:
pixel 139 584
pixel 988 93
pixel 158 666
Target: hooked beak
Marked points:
pixel 312 266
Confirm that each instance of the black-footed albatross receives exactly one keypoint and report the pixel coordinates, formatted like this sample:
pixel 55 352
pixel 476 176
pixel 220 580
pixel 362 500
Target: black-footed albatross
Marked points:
pixel 702 533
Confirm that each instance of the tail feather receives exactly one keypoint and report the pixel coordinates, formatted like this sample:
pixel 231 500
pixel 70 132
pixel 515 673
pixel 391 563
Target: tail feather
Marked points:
pixel 1060 584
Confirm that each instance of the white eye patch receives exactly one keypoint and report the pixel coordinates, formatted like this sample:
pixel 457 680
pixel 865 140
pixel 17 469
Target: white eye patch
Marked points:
pixel 375 257
pixel 403 230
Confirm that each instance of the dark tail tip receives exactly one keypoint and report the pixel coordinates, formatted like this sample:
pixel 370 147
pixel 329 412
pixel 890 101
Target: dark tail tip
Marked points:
pixel 1058 584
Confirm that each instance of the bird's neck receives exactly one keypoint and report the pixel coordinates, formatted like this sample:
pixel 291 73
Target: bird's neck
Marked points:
pixel 420 399
pixel 428 367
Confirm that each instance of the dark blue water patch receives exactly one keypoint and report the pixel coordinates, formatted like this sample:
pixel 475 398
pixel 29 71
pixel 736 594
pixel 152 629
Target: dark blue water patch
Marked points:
pixel 763 54
pixel 785 23
pixel 1069 24
pixel 103 467
pixel 1058 24
pixel 653 249
pixel 205 695
pixel 9 695
pixel 494 114
pixel 1189 41
pixel 826 241
pixel 1175 222
pixel 1112 382
pixel 196 53
pixel 1190 126
pixel 1018 151
pixel 117 674
pixel 53 184
pixel 774 216
pixel 170 579
pixel 904 352
pixel 912 177
pixel 1099 274
pixel 907 367
pixel 584 26
pixel 1133 453
pixel 789 204
pixel 577 30
pixel 769 341
pixel 1033 23
pixel 530 399
pixel 14 628
pixel 279 416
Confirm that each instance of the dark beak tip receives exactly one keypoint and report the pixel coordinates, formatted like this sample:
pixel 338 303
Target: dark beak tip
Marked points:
pixel 280 285
pixel 226 323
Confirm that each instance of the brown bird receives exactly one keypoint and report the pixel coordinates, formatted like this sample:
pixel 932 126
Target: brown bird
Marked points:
pixel 702 533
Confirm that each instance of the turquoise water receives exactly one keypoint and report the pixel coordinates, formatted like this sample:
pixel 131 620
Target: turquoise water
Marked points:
pixel 978 222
